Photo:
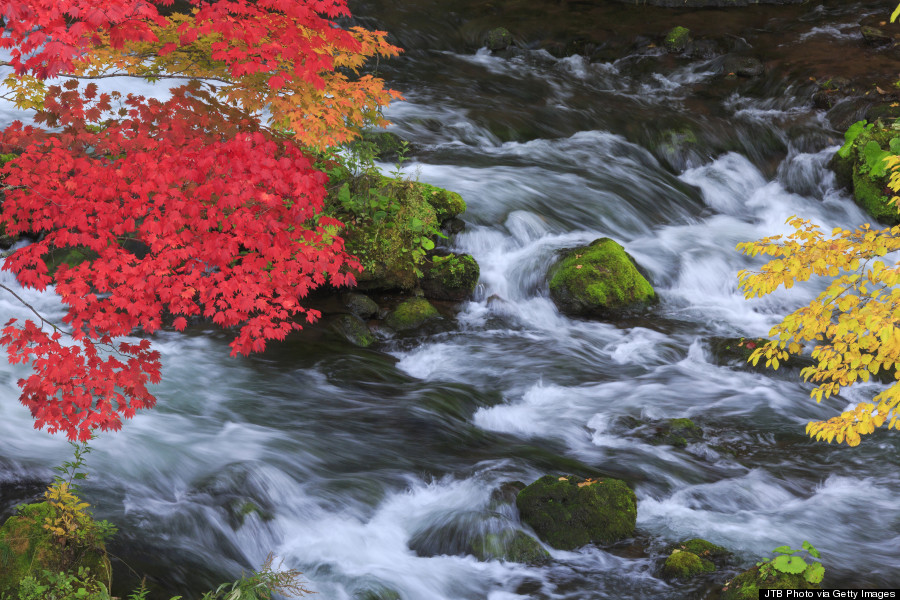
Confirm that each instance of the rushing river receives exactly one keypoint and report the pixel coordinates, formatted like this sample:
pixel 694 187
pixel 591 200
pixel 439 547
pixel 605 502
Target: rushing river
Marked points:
pixel 372 469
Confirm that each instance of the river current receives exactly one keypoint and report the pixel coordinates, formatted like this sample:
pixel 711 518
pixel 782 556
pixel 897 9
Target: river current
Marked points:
pixel 372 469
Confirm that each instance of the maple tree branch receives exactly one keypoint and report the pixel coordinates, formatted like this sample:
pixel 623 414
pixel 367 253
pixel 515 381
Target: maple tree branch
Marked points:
pixel 32 309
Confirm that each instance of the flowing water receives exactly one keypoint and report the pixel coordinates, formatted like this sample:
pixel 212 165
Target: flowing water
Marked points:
pixel 373 469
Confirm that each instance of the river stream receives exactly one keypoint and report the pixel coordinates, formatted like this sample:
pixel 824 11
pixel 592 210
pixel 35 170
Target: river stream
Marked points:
pixel 372 469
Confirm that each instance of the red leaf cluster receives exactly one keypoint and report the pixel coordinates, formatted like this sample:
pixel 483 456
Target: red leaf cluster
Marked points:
pixel 185 208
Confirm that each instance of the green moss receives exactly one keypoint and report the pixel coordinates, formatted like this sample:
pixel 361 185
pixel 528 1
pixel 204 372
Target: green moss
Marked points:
pixel 701 548
pixel 870 194
pixel 446 204
pixel 354 330
pixel 599 280
pixel 677 39
pixel 746 586
pixel 510 545
pixel 498 39
pixel 567 515
pixel 452 277
pixel 410 314
pixel 684 565
pixel 29 549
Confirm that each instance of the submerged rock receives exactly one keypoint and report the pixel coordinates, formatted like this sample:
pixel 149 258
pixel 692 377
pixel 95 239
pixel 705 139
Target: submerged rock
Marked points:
pixel 361 305
pixel 599 280
pixel 569 512
pixel 677 432
pixel 411 314
pixel 511 545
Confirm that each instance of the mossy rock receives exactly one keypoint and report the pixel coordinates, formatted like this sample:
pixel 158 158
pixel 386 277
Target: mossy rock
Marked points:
pixel 677 39
pixel 682 564
pixel 411 314
pixel 385 246
pixel 354 330
pixel 239 510
pixel 451 277
pixel 569 512
pixel 446 204
pixel 26 548
pixel 859 164
pixel 677 432
pixel 599 280
pixel 361 305
pixel 510 545
pixel 746 586
pixel 701 548
pixel 498 38
pixel 377 592
pixel 68 256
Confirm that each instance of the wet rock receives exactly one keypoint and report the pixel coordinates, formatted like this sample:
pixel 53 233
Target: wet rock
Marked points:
pixel 498 39
pixel 377 592
pixel 411 314
pixel 865 146
pixel 746 586
pixel 736 352
pixel 453 226
pixel 677 432
pixel 446 204
pixel 684 565
pixel 701 548
pixel 569 512
pixel 874 36
pixel 507 492
pixel 743 66
pixel 354 330
pixel 452 277
pixel 599 280
pixel 511 545
pixel 677 40
pixel 361 305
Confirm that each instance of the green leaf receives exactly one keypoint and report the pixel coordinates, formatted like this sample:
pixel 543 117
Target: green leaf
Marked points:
pixel 427 244
pixel 811 549
pixel 895 145
pixel 785 550
pixel 789 564
pixel 895 14
pixel 850 136
pixel 875 156
pixel 814 573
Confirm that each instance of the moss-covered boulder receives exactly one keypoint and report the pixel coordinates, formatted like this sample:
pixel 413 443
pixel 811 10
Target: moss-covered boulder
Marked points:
pixel 859 164
pixel 446 204
pixel 27 549
pixel 568 512
pixel 682 564
pixel 511 545
pixel 677 39
pixel 701 548
pixel 599 280
pixel 498 38
pixel 411 314
pixel 361 305
pixel 354 330
pixel 452 277
pixel 746 586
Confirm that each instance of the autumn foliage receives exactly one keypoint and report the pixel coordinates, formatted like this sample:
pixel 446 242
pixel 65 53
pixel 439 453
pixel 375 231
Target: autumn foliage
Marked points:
pixel 192 207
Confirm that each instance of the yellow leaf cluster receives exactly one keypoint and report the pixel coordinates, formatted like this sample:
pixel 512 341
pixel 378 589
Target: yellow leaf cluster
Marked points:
pixel 853 326
pixel 68 513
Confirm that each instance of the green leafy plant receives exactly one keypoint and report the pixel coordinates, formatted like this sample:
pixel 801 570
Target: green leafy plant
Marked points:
pixel 787 561
pixel 81 585
pixel 850 136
